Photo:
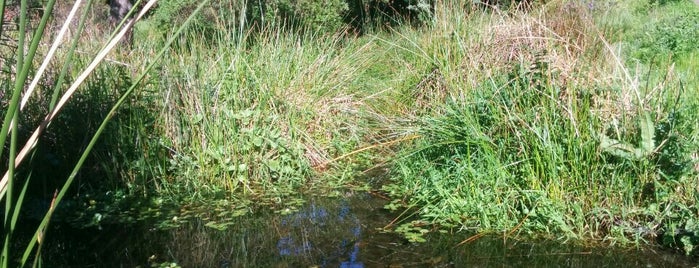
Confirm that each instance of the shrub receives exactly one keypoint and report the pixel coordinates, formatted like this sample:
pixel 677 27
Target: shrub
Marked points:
pixel 317 16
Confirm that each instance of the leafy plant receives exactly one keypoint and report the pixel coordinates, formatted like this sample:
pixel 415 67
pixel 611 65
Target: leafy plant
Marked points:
pixel 645 147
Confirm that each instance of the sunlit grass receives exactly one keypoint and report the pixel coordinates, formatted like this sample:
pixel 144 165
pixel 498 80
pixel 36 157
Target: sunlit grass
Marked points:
pixel 14 253
pixel 541 126
pixel 542 122
pixel 526 122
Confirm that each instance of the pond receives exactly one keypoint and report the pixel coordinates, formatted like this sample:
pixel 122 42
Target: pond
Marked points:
pixel 324 232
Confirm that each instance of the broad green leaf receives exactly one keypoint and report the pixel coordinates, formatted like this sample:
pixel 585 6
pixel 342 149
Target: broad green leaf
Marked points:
pixel 647 134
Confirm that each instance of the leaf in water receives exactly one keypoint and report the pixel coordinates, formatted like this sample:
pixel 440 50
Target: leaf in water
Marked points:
pixel 393 206
pixel 415 237
pixel 239 212
pixel 687 244
pixel 288 211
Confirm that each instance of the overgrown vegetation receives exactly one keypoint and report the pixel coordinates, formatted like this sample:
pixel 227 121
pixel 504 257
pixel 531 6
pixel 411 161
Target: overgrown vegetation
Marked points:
pixel 567 120
pixel 566 136
pixel 23 71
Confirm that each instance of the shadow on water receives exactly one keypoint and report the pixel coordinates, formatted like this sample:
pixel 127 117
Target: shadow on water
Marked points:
pixel 324 233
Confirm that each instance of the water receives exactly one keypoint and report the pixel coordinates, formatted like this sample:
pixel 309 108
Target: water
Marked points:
pixel 325 232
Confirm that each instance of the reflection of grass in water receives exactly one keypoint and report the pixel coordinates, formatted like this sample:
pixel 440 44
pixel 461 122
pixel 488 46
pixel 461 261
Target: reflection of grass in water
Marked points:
pixel 316 233
pixel 253 241
pixel 496 251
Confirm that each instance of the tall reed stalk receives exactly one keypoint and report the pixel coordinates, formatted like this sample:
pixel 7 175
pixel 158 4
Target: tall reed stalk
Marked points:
pixel 23 85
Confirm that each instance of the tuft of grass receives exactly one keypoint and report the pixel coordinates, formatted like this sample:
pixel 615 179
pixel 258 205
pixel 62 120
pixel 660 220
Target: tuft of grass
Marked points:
pixel 254 119
pixel 543 129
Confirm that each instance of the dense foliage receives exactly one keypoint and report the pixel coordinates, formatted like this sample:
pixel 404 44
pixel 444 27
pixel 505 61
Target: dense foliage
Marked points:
pixel 569 119
pixel 311 15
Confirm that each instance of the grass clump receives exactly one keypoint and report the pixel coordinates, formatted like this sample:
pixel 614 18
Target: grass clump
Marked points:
pixel 257 123
pixel 552 135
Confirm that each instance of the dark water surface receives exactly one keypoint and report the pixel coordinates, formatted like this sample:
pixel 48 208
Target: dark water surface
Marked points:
pixel 323 233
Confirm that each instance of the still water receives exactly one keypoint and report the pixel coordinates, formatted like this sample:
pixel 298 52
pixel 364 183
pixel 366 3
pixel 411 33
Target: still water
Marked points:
pixel 324 232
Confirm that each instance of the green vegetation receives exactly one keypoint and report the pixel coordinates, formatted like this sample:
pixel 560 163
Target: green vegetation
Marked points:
pixel 564 135
pixel 18 62
pixel 566 120
pixel 570 138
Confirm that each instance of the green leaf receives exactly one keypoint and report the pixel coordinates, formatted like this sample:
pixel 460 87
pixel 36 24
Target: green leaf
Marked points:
pixel 257 141
pixel 217 226
pixel 616 147
pixel 243 114
pixel 242 167
pixel 647 134
pixel 273 165
pixel 197 118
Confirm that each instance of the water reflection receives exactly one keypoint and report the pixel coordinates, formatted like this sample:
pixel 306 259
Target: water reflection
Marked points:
pixel 313 216
pixel 323 233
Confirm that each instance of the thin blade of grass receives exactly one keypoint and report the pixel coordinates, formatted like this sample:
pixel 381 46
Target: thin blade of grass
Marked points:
pixel 69 57
pixel 2 15
pixel 31 142
pixel 52 51
pixel 107 119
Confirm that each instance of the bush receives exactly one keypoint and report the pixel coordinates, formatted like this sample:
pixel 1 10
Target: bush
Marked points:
pixel 326 16
pixel 317 16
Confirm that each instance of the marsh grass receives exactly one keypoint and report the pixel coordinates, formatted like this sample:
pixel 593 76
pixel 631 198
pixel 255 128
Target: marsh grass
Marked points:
pixel 522 123
pixel 540 127
pixel 532 123
pixel 261 113
pixel 16 250
pixel 256 122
